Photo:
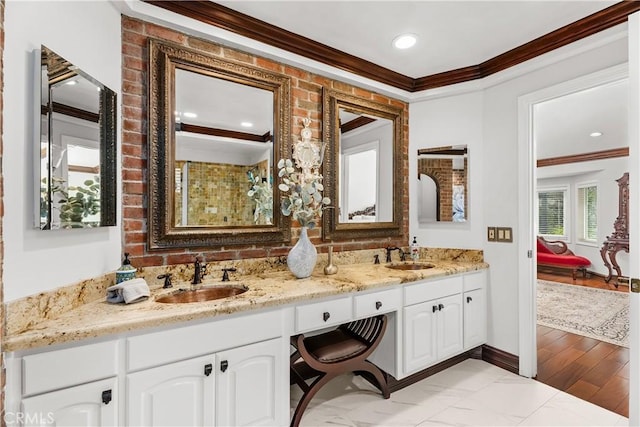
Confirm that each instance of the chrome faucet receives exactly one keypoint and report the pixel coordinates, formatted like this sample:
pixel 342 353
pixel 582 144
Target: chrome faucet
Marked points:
pixel 390 249
pixel 199 271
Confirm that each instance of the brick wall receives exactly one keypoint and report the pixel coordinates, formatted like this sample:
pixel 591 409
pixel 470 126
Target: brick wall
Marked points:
pixel 306 101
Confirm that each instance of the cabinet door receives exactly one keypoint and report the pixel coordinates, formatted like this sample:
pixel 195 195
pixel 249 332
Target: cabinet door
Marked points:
pixel 449 326
pixel 92 404
pixel 177 394
pixel 475 318
pixel 251 384
pixel 420 336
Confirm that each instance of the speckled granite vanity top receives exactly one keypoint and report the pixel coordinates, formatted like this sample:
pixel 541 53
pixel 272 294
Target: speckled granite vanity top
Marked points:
pixel 28 327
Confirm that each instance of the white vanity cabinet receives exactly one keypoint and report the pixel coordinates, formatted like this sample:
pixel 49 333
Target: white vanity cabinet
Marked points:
pixel 237 387
pixel 225 372
pixel 249 386
pixel 92 404
pixel 432 332
pixel 75 386
pixel 180 393
pixel 475 310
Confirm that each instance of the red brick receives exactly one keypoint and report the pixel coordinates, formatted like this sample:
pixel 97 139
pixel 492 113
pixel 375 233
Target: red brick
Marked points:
pixel 132 200
pixel 133 188
pixel 132 88
pixel 131 49
pixel 134 38
pixel 205 46
pixel 296 72
pixel 132 175
pixel 134 63
pixel 164 33
pixel 148 261
pixel 132 125
pixel 269 65
pixel 132 100
pixel 134 140
pixel 131 24
pixel 235 55
pixel 133 162
pixel 133 212
pixel 132 225
pixel 132 150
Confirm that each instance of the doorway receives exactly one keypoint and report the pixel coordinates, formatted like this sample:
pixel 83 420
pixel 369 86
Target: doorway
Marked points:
pixel 577 177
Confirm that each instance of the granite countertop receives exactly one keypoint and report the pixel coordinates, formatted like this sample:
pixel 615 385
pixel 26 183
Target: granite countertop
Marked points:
pixel 99 318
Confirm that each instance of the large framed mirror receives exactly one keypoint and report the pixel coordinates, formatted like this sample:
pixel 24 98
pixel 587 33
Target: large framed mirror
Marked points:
pixel 443 184
pixel 363 167
pixel 75 146
pixel 216 131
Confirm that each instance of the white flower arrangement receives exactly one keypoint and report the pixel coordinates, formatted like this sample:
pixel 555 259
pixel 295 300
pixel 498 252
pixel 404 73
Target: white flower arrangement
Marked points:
pixel 304 202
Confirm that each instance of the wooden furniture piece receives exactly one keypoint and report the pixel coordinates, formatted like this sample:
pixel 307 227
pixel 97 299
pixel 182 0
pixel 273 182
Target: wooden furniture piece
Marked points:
pixel 619 239
pixel 336 352
pixel 556 254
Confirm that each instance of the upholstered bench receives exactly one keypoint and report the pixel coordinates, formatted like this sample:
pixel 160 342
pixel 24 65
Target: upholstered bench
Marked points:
pixel 556 254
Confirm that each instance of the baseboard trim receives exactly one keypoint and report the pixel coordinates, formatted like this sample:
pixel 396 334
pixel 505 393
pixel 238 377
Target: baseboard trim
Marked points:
pixel 501 359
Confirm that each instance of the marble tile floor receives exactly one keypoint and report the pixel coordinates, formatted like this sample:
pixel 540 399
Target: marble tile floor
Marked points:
pixel 471 393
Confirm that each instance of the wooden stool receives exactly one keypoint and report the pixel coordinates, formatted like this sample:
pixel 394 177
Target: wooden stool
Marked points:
pixel 336 352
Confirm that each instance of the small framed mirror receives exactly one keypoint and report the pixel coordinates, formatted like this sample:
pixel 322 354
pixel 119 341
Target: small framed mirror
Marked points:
pixel 443 186
pixel 362 167
pixel 216 131
pixel 75 149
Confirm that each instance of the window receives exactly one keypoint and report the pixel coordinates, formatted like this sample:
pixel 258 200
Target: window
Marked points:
pixel 552 213
pixel 587 226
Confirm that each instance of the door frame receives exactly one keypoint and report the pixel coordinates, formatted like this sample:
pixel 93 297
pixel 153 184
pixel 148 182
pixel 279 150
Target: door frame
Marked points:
pixel 527 216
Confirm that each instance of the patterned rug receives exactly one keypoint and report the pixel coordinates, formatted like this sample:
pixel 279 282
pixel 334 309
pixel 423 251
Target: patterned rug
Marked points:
pixel 590 312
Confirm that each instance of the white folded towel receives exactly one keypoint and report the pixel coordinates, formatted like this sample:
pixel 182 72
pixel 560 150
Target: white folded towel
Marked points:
pixel 129 291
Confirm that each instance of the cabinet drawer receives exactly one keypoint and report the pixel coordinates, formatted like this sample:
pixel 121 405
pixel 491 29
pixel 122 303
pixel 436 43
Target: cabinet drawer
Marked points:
pixel 432 289
pixel 474 281
pixel 323 314
pixel 377 302
pixel 159 348
pixel 68 367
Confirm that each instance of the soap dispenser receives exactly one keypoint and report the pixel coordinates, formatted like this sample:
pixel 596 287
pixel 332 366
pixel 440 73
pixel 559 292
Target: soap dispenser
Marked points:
pixel 415 250
pixel 126 270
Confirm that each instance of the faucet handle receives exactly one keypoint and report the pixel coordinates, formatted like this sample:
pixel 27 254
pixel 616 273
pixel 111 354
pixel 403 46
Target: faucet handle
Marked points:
pixel 167 280
pixel 225 274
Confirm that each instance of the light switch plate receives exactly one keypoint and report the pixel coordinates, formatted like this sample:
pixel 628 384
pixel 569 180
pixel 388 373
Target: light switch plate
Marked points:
pixel 491 234
pixel 504 234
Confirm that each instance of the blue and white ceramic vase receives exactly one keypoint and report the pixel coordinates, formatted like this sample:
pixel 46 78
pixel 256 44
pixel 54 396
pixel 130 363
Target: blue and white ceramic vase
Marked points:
pixel 302 257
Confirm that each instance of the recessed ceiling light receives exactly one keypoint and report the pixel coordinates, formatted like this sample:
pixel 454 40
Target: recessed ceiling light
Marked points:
pixel 246 124
pixel 595 134
pixel 190 115
pixel 405 41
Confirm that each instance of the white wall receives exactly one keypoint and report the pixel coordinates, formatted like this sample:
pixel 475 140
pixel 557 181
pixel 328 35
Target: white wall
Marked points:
pixel 455 120
pixel 87 33
pixel 604 174
pixel 487 121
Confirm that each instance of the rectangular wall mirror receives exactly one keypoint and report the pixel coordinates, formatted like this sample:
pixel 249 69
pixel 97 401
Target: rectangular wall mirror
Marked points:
pixel 216 130
pixel 361 168
pixel 443 186
pixel 75 147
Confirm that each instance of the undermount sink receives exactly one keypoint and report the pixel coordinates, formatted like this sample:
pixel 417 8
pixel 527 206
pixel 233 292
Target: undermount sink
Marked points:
pixel 200 295
pixel 411 266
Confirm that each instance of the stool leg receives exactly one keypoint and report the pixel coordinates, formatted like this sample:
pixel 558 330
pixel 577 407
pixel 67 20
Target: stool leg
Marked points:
pixel 307 396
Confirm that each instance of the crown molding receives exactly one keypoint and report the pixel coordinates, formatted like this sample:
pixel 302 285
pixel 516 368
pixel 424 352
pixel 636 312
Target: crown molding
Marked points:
pixel 230 20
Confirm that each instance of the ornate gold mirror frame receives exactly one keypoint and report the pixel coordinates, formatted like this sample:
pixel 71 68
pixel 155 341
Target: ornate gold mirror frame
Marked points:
pixel 333 229
pixel 164 59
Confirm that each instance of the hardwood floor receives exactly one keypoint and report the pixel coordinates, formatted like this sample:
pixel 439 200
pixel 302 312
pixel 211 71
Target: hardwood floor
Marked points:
pixel 592 370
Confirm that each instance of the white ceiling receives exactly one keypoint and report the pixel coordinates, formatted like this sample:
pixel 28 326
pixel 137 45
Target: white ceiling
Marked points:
pixel 452 34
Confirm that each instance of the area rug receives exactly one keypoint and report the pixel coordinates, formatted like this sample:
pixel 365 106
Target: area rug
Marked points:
pixel 590 312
